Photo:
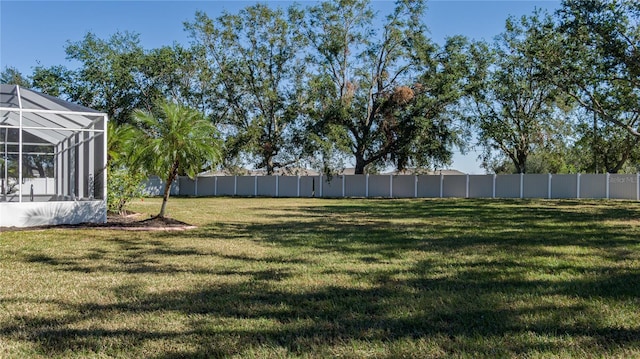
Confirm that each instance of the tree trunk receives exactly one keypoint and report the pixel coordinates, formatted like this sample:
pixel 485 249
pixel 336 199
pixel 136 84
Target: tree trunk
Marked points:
pixel 167 188
pixel 270 166
pixel 41 171
pixel 521 162
pixel 619 163
pixel 360 163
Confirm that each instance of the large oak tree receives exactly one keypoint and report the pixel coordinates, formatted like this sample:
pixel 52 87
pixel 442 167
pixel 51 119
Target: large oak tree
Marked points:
pixel 380 91
pixel 256 56
pixel 514 100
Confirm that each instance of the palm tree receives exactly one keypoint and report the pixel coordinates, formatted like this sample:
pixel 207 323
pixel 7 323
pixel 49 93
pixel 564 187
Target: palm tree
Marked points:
pixel 120 139
pixel 178 140
pixel 124 177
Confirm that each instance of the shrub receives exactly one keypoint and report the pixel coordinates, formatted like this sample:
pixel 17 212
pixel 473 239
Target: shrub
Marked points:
pixel 123 185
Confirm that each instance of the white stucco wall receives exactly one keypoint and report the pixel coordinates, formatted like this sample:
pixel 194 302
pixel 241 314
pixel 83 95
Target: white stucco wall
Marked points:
pixel 29 214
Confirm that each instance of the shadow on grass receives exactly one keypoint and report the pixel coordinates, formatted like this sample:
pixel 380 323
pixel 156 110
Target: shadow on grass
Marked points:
pixel 372 228
pixel 453 311
pixel 468 294
pixel 135 256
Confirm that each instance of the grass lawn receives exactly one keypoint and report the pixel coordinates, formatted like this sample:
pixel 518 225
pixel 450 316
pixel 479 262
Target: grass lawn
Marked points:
pixel 322 278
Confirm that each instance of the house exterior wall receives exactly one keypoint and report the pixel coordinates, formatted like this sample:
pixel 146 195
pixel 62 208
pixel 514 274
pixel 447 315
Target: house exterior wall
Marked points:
pixel 29 214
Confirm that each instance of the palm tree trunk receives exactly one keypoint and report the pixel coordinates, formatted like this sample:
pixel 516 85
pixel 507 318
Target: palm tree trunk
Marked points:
pixel 167 188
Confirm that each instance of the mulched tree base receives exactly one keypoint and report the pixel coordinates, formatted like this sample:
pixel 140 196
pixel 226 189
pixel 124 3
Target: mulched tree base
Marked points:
pixel 129 222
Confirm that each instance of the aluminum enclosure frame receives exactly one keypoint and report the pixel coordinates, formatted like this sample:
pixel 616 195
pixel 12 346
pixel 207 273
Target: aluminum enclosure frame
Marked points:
pixel 67 144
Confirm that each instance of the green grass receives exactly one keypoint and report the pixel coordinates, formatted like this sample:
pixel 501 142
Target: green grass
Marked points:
pixel 332 278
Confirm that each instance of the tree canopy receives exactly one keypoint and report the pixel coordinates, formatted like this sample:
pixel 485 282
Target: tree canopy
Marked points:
pixel 514 104
pixel 256 56
pixel 381 93
pixel 335 84
pixel 175 139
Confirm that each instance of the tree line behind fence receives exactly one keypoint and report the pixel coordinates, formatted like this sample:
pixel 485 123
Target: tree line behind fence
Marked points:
pixel 610 186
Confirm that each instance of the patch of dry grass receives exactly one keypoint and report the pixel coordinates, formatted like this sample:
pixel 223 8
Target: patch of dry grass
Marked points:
pixel 331 278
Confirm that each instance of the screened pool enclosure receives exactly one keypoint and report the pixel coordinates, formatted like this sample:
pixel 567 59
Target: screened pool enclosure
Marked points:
pixel 52 160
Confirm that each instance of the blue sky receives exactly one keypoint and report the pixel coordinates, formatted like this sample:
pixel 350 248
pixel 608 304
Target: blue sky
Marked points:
pixel 35 33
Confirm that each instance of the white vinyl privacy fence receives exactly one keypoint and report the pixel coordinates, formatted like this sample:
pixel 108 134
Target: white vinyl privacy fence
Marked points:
pixel 610 186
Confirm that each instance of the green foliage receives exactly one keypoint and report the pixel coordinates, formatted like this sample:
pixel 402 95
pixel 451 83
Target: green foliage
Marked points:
pixel 513 100
pixel 555 160
pixel 179 73
pixel 428 123
pixel 606 148
pixel 11 75
pixel 597 64
pixel 123 186
pixel 256 56
pixel 381 92
pixel 337 82
pixel 176 140
pixel 106 79
pixel 601 61
pixel 55 80
pixel 124 177
pixel 8 184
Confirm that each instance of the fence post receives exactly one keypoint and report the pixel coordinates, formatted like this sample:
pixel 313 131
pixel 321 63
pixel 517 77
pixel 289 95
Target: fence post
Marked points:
pixel 298 189
pixel 235 185
pixel 466 192
pixel 277 182
pixel 344 180
pixel 638 187
pixel 415 186
pixel 255 186
pixel 493 195
pixel 215 186
pixel 320 185
pixel 390 186
pixel 441 184
pixel 549 186
pixel 366 186
pixel 607 186
pixel 196 186
pixel 521 185
pixel 578 186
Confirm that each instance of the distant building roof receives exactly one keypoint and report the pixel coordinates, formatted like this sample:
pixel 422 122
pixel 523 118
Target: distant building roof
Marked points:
pixel 418 171
pixel 299 171
pixel 287 171
pixel 296 171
